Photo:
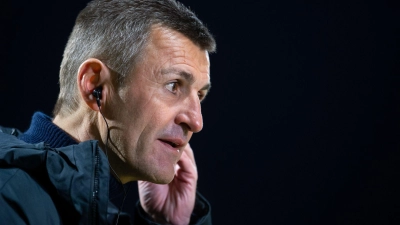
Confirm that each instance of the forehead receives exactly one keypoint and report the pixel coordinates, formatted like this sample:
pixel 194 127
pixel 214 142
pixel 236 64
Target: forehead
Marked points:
pixel 170 47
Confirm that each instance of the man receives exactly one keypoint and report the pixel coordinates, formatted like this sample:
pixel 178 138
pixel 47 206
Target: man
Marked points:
pixel 133 75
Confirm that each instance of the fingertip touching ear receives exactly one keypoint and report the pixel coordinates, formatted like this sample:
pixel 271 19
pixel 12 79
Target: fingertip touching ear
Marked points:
pixel 93 74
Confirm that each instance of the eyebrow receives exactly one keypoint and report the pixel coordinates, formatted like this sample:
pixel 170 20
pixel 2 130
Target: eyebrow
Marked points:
pixel 187 76
pixel 206 87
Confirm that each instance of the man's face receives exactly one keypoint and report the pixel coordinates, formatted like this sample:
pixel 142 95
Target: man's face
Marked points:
pixel 160 107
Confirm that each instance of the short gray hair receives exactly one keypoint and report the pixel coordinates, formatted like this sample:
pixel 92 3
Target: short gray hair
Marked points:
pixel 115 32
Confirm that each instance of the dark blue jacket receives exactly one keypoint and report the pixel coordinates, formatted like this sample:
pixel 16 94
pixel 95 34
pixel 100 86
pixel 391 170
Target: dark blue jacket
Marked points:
pixel 68 185
pixel 63 186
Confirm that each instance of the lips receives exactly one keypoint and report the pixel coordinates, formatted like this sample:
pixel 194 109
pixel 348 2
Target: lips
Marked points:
pixel 172 144
pixel 175 143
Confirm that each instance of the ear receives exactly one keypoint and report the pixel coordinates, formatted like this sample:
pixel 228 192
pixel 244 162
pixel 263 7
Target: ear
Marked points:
pixel 93 73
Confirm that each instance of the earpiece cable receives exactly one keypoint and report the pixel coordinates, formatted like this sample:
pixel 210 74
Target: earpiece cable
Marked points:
pixel 116 175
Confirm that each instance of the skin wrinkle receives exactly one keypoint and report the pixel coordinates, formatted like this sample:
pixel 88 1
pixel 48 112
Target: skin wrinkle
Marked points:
pixel 119 138
pixel 114 143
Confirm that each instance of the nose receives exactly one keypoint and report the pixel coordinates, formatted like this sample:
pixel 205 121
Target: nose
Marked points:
pixel 190 115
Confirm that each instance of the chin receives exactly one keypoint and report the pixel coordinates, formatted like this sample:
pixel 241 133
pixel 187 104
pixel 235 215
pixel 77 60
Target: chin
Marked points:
pixel 161 181
pixel 158 171
pixel 162 178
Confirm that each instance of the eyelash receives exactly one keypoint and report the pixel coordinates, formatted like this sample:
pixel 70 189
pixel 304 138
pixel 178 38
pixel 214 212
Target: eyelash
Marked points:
pixel 201 96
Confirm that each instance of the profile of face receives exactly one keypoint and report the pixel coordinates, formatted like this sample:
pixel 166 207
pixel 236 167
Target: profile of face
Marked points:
pixel 159 108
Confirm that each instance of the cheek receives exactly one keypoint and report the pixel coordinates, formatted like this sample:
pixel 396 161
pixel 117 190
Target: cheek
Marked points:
pixel 149 111
pixel 145 113
pixel 139 126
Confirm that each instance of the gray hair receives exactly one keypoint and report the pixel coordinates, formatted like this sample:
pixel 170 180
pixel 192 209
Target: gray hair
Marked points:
pixel 116 32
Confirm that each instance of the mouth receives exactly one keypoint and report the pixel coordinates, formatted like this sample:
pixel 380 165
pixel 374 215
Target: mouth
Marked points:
pixel 175 144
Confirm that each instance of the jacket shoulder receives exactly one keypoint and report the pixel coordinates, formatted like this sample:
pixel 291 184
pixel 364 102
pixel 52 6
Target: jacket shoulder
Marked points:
pixel 24 200
pixel 9 130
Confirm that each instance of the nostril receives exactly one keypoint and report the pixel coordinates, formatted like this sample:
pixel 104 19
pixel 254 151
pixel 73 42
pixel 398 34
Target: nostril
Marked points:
pixel 185 128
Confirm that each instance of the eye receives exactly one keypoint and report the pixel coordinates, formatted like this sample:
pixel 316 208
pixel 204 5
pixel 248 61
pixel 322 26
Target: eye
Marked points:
pixel 201 95
pixel 172 87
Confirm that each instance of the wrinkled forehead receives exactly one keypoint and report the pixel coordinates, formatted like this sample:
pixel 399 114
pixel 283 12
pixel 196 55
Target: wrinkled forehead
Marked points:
pixel 169 50
pixel 175 48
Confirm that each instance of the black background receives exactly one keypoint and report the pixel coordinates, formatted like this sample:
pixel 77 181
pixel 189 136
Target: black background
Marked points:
pixel 302 123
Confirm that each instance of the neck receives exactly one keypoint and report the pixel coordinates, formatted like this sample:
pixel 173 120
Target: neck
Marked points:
pixel 84 125
pixel 80 125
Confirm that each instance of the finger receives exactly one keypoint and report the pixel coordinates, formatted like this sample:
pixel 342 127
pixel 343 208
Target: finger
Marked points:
pixel 187 159
pixel 187 166
pixel 189 153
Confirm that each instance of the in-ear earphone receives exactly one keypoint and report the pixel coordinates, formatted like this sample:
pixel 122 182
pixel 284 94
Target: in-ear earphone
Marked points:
pixel 97 94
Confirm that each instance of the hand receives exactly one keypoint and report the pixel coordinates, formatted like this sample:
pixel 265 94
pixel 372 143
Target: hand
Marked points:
pixel 172 203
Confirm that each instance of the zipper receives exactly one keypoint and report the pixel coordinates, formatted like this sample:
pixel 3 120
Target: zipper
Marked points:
pixel 96 185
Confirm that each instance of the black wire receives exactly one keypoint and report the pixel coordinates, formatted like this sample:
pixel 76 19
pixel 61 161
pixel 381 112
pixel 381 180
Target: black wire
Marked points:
pixel 106 150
